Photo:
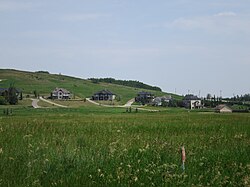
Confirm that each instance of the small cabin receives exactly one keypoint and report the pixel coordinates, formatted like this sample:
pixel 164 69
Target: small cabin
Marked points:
pixel 223 109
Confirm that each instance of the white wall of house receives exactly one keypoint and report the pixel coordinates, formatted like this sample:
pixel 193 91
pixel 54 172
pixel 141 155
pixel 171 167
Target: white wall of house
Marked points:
pixel 195 104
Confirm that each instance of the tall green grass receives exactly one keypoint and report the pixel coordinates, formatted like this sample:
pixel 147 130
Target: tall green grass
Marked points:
pixel 108 147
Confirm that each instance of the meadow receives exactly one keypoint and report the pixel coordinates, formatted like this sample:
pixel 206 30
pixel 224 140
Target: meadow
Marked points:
pixel 94 146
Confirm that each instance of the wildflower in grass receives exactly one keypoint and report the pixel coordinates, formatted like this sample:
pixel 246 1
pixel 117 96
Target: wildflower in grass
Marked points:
pixel 1 150
pixel 129 166
pixel 27 136
pixel 183 157
pixel 101 175
pixel 135 178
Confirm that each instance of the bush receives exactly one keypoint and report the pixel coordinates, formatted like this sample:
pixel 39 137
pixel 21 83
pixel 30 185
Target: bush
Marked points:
pixel 2 101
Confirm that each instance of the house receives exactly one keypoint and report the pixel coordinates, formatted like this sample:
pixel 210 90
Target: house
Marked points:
pixel 104 95
pixel 192 102
pixel 144 97
pixel 5 91
pixel 159 101
pixel 60 93
pixel 223 109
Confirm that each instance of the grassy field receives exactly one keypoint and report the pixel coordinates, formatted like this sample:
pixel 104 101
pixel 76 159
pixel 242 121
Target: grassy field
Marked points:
pixel 95 146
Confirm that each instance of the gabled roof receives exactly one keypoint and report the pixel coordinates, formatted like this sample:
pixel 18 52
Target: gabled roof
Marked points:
pixel 6 89
pixel 190 97
pixel 62 90
pixel 145 93
pixel 3 89
pixel 219 107
pixel 104 92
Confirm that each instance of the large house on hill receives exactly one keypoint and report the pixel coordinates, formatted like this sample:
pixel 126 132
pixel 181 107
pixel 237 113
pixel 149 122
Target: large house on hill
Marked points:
pixel 144 97
pixel 103 95
pixel 60 93
pixel 192 102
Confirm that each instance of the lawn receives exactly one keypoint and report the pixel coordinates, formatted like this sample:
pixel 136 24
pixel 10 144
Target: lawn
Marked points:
pixel 95 146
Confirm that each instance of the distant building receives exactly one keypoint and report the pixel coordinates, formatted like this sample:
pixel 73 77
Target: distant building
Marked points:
pixel 159 101
pixel 5 91
pixel 192 102
pixel 223 109
pixel 144 97
pixel 104 95
pixel 60 93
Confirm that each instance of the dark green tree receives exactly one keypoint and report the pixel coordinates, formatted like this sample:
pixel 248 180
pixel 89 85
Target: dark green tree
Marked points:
pixel 12 95
pixel 35 93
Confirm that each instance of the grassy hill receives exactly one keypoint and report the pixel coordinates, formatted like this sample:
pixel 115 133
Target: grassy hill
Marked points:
pixel 44 83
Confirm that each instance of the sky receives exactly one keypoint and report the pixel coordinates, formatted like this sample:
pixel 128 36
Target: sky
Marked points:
pixel 182 46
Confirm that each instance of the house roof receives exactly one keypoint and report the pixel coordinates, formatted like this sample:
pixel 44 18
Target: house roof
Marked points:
pixel 219 107
pixel 191 97
pixel 145 93
pixel 6 89
pixel 61 89
pixel 104 92
pixel 3 89
pixel 167 97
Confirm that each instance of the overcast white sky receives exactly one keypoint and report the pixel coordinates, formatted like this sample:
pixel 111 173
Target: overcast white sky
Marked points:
pixel 178 45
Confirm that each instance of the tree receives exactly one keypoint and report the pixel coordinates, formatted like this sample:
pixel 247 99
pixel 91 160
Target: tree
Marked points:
pixel 35 93
pixel 172 103
pixel 2 101
pixel 12 95
pixel 209 96
pixel 21 96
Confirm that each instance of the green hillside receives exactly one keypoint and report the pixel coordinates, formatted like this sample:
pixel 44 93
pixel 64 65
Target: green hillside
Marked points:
pixel 44 83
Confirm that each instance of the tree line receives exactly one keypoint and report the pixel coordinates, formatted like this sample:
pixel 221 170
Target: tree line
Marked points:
pixel 130 83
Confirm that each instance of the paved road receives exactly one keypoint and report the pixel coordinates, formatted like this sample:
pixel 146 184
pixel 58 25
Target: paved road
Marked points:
pixel 128 104
pixel 35 103
pixel 52 103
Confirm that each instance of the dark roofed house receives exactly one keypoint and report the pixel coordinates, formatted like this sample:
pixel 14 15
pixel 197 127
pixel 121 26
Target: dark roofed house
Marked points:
pixel 192 102
pixel 144 97
pixel 4 91
pixel 103 95
pixel 60 93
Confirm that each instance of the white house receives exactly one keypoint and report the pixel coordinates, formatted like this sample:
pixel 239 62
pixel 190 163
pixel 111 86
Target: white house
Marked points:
pixel 158 101
pixel 192 102
pixel 223 109
pixel 60 93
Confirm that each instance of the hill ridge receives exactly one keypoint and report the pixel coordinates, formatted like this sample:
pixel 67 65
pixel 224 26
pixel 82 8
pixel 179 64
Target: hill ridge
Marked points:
pixel 43 83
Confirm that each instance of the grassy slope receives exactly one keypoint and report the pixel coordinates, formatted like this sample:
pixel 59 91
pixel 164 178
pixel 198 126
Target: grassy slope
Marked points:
pixel 44 83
